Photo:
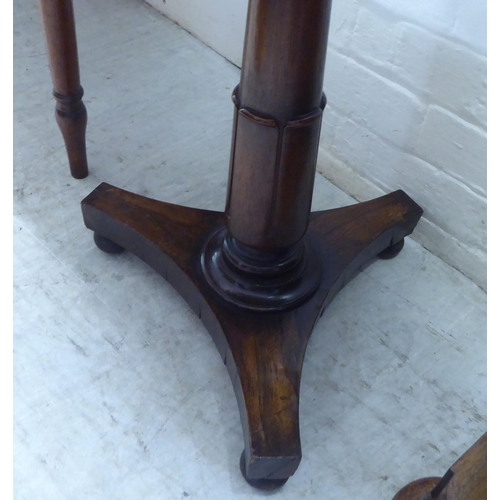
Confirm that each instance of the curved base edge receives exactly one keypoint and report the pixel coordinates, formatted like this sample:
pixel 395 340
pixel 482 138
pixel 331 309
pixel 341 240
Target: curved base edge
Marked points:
pixel 263 351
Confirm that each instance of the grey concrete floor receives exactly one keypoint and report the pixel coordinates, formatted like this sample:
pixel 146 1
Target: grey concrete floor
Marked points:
pixel 119 392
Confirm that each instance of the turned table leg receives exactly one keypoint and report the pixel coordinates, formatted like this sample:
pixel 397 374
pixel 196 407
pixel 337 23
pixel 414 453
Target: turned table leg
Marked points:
pixel 71 115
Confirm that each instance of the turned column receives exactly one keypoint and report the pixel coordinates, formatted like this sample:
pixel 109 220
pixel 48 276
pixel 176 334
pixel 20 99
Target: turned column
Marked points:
pixel 71 115
pixel 278 110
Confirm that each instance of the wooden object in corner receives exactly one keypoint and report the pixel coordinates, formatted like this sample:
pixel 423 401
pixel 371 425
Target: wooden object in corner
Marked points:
pixel 465 480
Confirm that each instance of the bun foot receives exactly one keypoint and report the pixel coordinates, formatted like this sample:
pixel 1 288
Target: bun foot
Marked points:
pixel 261 484
pixel 418 490
pixel 107 245
pixel 392 251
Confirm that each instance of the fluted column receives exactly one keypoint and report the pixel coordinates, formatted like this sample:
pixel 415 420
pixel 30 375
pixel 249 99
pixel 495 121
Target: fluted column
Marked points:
pixel 261 261
pixel 279 105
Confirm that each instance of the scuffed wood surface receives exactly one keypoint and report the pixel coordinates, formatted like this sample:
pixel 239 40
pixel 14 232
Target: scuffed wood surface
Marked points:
pixel 399 354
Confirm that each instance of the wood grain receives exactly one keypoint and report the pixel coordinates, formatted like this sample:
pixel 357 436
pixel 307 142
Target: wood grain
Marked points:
pixel 71 114
pixel 465 480
pixel 261 274
pixel 262 351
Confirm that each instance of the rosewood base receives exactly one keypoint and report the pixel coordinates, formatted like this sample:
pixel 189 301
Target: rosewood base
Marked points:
pixel 263 351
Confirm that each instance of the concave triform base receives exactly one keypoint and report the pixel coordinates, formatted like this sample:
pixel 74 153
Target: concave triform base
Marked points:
pixel 263 351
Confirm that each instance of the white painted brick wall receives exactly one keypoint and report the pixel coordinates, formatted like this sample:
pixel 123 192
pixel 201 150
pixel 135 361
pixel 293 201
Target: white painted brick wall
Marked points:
pixel 406 88
pixel 453 145
pixel 417 71
pixel 220 24
pixel 361 94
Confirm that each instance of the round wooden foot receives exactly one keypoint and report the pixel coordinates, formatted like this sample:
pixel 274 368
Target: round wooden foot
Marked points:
pixel 261 484
pixel 418 490
pixel 106 245
pixel 392 251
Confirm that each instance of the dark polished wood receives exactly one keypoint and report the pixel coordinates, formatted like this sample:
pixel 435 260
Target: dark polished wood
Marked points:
pixel 262 351
pixel 71 115
pixel 279 105
pixel 260 274
pixel 465 480
pixel 278 110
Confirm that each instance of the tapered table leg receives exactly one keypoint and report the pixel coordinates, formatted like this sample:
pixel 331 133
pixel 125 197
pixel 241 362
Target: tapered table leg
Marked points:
pixel 260 274
pixel 71 115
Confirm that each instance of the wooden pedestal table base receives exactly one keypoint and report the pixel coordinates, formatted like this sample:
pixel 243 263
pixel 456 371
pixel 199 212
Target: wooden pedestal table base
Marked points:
pixel 260 274
pixel 263 351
